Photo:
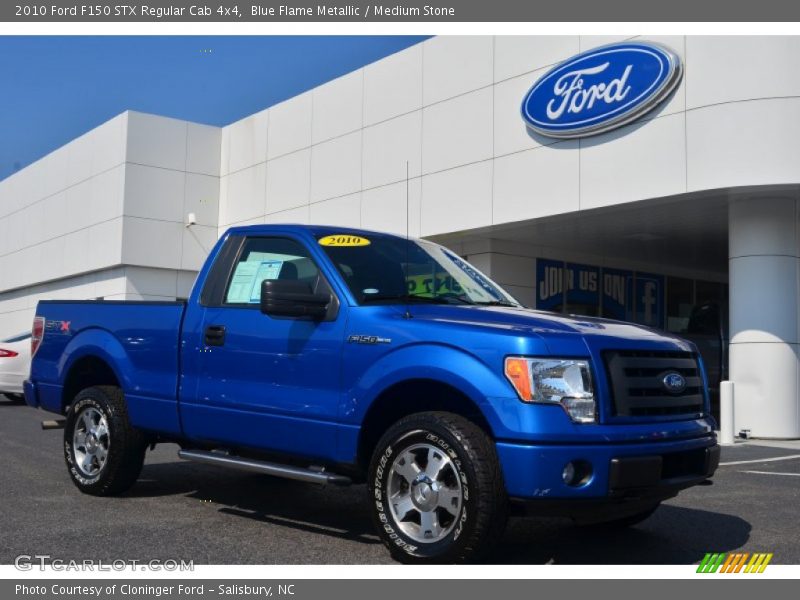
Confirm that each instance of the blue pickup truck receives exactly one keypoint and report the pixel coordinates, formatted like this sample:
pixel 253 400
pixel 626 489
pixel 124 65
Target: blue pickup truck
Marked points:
pixel 340 356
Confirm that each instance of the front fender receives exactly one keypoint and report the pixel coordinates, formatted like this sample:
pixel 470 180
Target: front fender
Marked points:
pixel 438 362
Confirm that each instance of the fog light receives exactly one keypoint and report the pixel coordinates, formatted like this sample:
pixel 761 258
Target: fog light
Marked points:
pixel 581 410
pixel 569 474
pixel 577 473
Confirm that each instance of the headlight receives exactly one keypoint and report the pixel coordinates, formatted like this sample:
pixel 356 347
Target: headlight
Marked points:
pixel 563 381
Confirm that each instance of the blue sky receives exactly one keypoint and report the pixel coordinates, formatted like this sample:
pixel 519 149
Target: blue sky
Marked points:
pixel 52 89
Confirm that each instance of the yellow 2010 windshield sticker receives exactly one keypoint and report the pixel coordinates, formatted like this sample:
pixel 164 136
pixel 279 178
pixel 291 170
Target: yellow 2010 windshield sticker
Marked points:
pixel 343 239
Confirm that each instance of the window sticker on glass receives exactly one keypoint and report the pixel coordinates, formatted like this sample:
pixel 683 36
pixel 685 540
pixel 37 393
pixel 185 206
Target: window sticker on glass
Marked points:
pixel 245 285
pixel 267 270
pixel 343 239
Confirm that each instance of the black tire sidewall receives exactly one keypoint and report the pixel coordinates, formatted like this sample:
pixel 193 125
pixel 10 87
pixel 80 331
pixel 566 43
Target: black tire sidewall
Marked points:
pixel 126 445
pixel 394 443
pixel 87 399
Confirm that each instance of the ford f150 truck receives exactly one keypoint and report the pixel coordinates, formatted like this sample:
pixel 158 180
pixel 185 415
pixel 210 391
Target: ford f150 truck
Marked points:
pixel 342 356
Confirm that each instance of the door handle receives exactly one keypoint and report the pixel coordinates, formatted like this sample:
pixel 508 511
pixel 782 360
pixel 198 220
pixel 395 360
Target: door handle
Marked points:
pixel 215 335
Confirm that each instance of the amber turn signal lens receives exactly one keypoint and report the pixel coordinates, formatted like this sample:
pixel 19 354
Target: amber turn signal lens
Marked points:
pixel 519 374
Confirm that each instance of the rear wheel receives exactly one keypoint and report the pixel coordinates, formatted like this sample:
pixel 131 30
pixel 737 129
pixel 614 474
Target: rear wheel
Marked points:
pixel 104 454
pixel 436 490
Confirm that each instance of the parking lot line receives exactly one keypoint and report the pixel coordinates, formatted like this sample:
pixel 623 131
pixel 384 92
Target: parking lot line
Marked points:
pixel 772 473
pixel 758 460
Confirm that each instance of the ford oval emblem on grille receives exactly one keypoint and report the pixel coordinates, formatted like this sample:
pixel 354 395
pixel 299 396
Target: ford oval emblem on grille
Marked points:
pixel 674 382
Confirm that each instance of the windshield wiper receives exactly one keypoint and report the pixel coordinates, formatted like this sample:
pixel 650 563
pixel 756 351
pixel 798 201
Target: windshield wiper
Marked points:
pixel 423 299
pixel 497 303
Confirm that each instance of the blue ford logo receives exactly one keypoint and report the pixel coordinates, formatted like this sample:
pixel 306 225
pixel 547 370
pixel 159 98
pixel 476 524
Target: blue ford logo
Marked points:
pixel 601 89
pixel 674 382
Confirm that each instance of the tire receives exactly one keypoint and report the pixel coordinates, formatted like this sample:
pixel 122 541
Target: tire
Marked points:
pixel 627 521
pixel 453 509
pixel 107 460
pixel 16 398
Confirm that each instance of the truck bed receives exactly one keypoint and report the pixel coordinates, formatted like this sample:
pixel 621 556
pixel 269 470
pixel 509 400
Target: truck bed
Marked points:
pixel 141 338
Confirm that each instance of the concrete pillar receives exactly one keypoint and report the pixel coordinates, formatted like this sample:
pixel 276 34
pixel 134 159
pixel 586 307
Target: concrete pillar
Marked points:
pixel 764 266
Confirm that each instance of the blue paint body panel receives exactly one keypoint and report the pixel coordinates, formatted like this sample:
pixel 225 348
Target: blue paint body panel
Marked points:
pixel 300 388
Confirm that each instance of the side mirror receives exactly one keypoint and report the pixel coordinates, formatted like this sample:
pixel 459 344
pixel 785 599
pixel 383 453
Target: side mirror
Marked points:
pixel 290 298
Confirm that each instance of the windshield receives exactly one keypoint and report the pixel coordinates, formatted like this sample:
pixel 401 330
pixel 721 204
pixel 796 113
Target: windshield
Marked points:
pixel 391 270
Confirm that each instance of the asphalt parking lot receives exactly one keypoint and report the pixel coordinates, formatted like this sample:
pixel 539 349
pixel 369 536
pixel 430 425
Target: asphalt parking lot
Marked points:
pixel 186 511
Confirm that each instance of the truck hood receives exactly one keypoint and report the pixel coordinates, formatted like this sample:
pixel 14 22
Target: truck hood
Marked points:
pixel 544 324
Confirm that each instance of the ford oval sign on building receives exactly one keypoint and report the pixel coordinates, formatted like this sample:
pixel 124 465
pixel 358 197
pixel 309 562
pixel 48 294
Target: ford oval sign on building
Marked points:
pixel 601 89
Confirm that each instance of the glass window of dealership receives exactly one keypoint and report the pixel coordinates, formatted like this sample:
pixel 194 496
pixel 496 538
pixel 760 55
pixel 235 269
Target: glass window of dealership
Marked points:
pixel 679 212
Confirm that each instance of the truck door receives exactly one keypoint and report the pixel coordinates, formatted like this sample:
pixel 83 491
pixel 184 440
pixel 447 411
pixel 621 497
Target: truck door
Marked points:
pixel 265 382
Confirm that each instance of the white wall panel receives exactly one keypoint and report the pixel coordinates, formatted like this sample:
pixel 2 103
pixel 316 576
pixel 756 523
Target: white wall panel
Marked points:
pixel 293 215
pixel 76 251
pixel 107 194
pixel 154 193
pixel 387 148
pixel 732 68
pixel 105 244
pixel 108 144
pixel 203 148
pixel 518 54
pixel 290 126
pixel 338 107
pixel 156 141
pixel 393 86
pixel 336 167
pixel 454 65
pixel 201 197
pixel 457 132
pixel 288 181
pixel 510 132
pixel 344 211
pixel 536 183
pixel 384 208
pixel 245 194
pixel 197 242
pixel 641 160
pixel 248 141
pixel 743 143
pixel 457 199
pixel 137 248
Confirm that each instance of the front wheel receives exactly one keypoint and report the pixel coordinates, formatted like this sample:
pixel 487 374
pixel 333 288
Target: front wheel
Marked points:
pixel 436 489
pixel 104 454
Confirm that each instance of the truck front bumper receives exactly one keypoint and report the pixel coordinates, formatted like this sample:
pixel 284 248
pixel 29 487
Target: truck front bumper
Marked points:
pixel 613 472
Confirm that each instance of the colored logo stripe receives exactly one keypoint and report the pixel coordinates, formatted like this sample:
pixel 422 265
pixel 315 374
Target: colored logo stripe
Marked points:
pixel 735 562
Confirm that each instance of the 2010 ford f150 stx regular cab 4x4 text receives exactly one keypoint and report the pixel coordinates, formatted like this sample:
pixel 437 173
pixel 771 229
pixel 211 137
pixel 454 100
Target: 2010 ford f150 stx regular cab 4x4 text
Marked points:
pixel 340 356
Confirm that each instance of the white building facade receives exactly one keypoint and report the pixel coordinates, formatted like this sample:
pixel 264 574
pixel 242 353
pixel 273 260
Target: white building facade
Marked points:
pixel 696 201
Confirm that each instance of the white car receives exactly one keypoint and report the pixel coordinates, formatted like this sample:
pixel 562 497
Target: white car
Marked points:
pixel 15 364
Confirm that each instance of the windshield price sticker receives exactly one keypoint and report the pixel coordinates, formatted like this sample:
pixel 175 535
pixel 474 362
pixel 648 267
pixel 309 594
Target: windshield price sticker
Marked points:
pixel 343 240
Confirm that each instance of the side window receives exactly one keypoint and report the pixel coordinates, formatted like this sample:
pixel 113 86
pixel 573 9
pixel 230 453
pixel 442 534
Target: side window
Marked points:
pixel 267 258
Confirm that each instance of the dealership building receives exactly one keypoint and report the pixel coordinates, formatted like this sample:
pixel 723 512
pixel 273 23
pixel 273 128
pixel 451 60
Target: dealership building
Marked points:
pixel 693 203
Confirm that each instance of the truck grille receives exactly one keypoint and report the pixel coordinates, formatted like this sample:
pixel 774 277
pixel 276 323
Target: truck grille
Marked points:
pixel 637 387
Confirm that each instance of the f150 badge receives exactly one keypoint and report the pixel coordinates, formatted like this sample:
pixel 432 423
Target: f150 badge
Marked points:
pixel 601 89
pixel 368 339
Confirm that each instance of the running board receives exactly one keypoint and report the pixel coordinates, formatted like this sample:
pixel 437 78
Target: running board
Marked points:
pixel 222 459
